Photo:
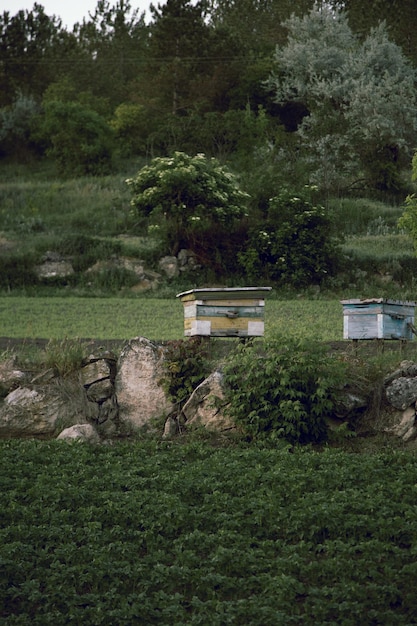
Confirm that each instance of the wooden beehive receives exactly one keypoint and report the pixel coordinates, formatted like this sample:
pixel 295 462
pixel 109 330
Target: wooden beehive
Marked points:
pixel 226 312
pixel 378 318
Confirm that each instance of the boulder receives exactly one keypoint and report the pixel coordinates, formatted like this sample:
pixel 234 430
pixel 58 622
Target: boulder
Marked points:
pixel 171 428
pixel 100 391
pixel 407 369
pixel 132 265
pixel 95 371
pixel 349 405
pixel 80 433
pixel 187 261
pixel 54 266
pixel 404 424
pixel 140 397
pixel 205 407
pixel 402 392
pixel 46 410
pixel 10 377
pixel 169 266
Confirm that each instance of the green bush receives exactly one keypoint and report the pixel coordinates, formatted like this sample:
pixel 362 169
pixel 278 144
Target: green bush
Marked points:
pixel 17 271
pixel 294 246
pixel 79 139
pixel 284 393
pixel 184 196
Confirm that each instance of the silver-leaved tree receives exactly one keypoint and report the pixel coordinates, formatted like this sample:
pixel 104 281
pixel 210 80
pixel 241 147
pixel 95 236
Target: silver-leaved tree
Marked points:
pixel 359 97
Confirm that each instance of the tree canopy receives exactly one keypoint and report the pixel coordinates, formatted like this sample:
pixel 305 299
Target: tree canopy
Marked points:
pixel 325 91
pixel 359 96
pixel 187 194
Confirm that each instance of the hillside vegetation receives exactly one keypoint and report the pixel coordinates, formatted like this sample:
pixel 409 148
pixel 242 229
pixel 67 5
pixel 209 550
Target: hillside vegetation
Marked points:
pixel 90 218
pixel 280 156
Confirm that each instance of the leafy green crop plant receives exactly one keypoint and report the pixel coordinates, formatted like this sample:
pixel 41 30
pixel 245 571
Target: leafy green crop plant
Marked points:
pixel 193 534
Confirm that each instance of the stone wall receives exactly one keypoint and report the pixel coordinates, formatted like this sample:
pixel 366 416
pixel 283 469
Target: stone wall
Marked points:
pixel 115 396
pixel 118 396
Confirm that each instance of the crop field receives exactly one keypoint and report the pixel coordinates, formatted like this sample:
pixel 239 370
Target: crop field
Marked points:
pixel 157 319
pixel 173 534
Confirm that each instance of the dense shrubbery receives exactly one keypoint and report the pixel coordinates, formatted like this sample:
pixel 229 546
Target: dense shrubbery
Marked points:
pixel 184 196
pixel 186 366
pixel 78 138
pixel 293 245
pixel 285 392
pixel 17 271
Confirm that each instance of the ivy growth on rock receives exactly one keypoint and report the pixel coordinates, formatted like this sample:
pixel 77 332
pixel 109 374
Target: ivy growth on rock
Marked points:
pixel 186 366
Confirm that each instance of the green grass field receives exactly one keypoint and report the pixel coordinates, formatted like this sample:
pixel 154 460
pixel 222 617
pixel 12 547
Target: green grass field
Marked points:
pixel 157 319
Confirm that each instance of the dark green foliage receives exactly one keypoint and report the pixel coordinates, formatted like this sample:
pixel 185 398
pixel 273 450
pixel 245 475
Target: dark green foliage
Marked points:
pixel 284 393
pixel 17 271
pixel 294 245
pixel 79 139
pixel 186 366
pixel 85 251
pixel 185 196
pixel 16 125
pixel 188 534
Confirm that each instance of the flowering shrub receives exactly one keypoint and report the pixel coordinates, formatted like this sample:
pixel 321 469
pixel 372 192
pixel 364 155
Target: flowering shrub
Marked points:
pixel 184 196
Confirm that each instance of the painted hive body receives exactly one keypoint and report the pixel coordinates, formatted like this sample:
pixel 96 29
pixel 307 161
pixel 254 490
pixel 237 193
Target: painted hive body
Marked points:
pixel 378 318
pixel 227 312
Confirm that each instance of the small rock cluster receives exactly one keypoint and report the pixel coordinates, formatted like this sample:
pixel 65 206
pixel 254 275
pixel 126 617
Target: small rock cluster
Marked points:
pixel 54 265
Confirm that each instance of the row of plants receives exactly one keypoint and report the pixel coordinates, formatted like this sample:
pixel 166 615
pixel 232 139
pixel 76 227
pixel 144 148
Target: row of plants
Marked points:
pixel 165 533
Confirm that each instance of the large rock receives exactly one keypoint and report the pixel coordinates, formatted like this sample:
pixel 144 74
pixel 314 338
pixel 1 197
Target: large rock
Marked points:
pixel 54 266
pixel 402 392
pixel 187 261
pixel 141 399
pixel 205 407
pixel 405 425
pixel 46 410
pixel 169 266
pixel 10 376
pixel 407 369
pixel 349 405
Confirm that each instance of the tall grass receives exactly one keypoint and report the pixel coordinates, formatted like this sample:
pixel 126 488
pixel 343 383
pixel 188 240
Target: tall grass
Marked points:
pixel 85 205
pixel 359 216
